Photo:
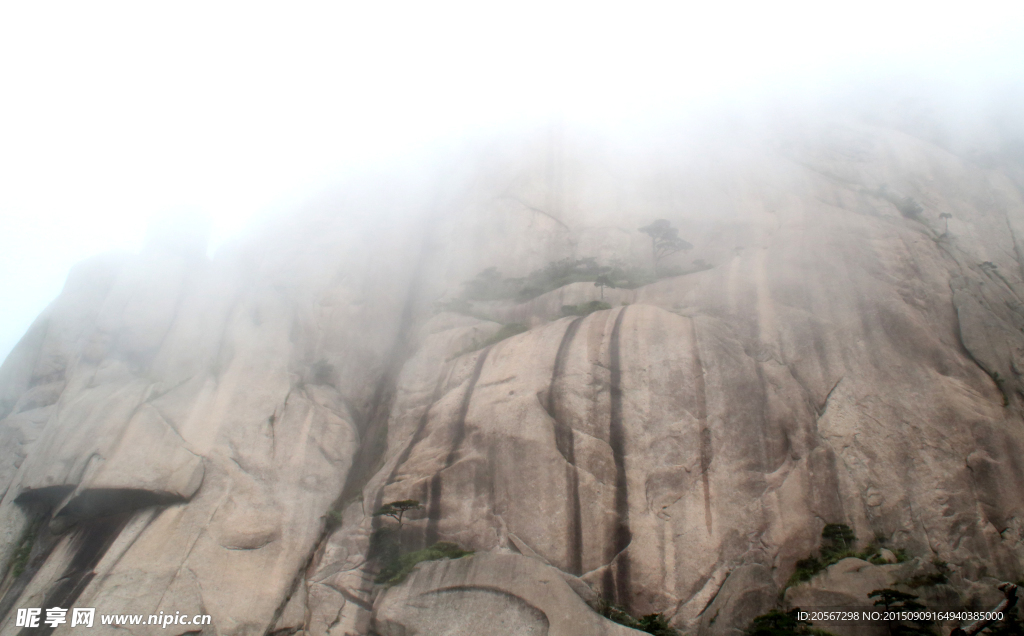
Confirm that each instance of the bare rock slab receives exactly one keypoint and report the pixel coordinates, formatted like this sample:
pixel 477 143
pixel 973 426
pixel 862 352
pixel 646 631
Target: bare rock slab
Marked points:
pixel 488 593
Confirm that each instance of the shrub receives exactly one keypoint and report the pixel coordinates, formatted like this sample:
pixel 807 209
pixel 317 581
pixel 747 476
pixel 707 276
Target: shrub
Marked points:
pixel 19 560
pixel 651 623
pixel 491 285
pixel 872 553
pixel 333 518
pixel 395 569
pixel 657 625
pixel 562 273
pixel 454 305
pixel 585 308
pixel 836 545
pixel 778 623
pixel 907 206
pixel 896 601
pixel 506 331
pixel 805 569
pixel 938 577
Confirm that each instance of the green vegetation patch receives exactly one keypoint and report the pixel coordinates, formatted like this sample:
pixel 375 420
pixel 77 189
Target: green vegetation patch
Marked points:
pixel 584 308
pixel 895 601
pixel 651 623
pixel 778 623
pixel 455 305
pixel 938 577
pixel 837 544
pixel 333 519
pixel 506 331
pixel 19 559
pixel 395 569
pixel 491 285
pixel 908 206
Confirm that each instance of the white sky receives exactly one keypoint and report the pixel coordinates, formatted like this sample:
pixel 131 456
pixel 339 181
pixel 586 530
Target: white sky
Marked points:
pixel 113 114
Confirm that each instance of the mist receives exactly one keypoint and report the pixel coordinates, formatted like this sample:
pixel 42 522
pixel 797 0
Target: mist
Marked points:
pixel 119 120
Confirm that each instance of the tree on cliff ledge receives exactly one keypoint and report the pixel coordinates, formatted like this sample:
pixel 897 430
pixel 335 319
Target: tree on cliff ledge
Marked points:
pixel 397 509
pixel 664 240
pixel 603 281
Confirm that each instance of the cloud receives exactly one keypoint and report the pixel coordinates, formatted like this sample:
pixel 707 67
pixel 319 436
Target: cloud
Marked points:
pixel 115 113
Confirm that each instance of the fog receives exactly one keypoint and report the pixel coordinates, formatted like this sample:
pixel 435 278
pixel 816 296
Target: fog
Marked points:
pixel 116 117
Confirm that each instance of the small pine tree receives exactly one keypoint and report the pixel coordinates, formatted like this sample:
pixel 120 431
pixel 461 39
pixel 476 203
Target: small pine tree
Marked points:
pixel 397 509
pixel 894 600
pixel 838 540
pixel 946 216
pixel 664 240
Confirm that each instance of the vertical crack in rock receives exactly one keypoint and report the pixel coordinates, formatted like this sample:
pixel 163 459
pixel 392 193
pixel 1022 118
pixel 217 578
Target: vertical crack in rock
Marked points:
pixel 567 447
pixel 963 343
pixel 417 435
pixel 705 432
pixel 1013 238
pixel 372 424
pixel 436 486
pixel 351 489
pixel 373 428
pixel 619 582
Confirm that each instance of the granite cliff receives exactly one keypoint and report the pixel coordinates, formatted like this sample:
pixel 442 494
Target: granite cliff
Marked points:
pixel 844 343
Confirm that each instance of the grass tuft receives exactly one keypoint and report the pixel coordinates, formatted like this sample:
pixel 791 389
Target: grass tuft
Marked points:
pixel 396 569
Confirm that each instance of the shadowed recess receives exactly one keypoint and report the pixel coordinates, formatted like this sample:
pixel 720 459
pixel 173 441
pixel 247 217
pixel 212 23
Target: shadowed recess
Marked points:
pixel 49 496
pixel 617 584
pixel 436 486
pixel 89 540
pixel 705 432
pixel 566 445
pixel 98 502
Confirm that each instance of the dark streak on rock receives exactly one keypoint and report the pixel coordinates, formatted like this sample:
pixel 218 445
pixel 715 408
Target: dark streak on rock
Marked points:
pixel 705 432
pixel 416 437
pixel 43 545
pixel 372 422
pixel 567 447
pixel 89 541
pixel 436 485
pixel 621 533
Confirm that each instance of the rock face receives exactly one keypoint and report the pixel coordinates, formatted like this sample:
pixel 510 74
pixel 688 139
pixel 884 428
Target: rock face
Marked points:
pixel 212 437
pixel 497 593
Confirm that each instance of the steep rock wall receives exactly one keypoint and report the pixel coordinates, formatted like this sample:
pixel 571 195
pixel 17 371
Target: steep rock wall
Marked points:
pixel 181 429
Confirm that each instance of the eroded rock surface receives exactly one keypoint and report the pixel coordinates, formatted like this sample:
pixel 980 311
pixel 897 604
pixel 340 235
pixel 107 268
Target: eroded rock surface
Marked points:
pixel 213 436
pixel 496 593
